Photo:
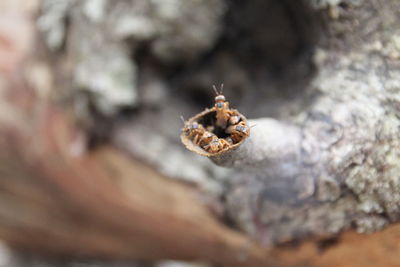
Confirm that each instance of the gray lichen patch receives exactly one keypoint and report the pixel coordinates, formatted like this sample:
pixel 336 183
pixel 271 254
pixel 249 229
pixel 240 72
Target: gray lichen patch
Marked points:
pixel 112 84
pixel 187 27
pixel 377 182
pixel 52 21
pixel 101 36
pixel 370 223
pixel 328 189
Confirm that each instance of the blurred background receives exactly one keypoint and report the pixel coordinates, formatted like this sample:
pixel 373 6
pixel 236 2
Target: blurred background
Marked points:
pixel 92 169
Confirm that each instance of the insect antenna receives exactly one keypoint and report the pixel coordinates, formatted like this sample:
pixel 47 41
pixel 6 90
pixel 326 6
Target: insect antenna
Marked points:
pixel 221 89
pixel 215 90
pixel 182 119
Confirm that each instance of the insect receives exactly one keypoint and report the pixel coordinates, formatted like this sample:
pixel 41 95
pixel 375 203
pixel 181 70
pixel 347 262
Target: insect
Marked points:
pixel 204 139
pixel 238 132
pixel 197 133
pixel 192 129
pixel 222 108
pixel 215 130
pixel 216 145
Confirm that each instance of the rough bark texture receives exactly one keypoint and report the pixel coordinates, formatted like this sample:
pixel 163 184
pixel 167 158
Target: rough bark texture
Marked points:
pixel 333 77
pixel 341 166
pixel 321 80
pixel 60 199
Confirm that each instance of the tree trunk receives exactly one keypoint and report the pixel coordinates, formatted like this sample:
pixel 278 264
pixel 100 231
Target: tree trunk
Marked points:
pixel 91 165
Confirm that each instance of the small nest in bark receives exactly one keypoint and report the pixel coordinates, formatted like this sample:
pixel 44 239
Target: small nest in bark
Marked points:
pixel 215 131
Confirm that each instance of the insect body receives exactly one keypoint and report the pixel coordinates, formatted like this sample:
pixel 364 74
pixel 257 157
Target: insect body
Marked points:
pixel 238 131
pixel 193 129
pixel 198 134
pixel 222 108
pixel 204 139
pixel 216 145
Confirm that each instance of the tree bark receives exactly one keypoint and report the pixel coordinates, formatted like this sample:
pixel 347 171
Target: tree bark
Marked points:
pixel 321 163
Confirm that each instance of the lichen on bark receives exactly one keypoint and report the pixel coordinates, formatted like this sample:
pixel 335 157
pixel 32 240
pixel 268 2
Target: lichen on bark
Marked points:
pixel 349 144
pixel 100 38
pixel 324 97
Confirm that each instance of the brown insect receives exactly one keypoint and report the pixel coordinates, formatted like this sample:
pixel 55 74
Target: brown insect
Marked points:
pixel 238 132
pixel 216 145
pixel 204 139
pixel 197 133
pixel 192 129
pixel 222 108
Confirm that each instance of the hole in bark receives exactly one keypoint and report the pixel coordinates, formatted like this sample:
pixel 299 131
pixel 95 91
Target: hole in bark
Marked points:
pixel 270 32
pixel 264 52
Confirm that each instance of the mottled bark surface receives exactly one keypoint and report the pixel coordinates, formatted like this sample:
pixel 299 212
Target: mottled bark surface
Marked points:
pixel 342 170
pixel 333 76
pixel 320 80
